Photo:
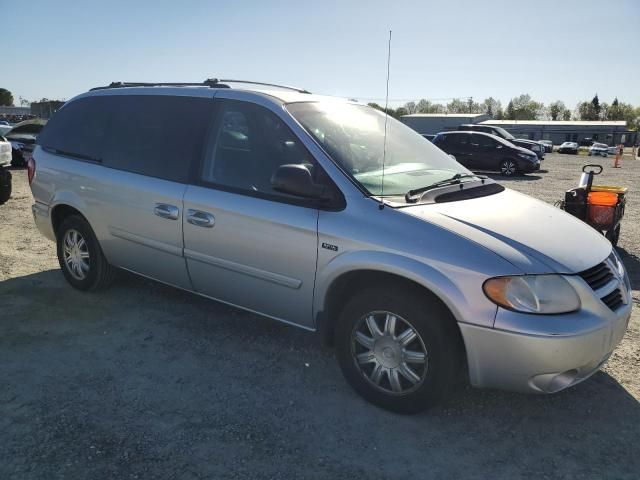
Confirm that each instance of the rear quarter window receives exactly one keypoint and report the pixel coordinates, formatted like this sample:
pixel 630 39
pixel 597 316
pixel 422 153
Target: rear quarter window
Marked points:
pixel 156 135
pixel 78 129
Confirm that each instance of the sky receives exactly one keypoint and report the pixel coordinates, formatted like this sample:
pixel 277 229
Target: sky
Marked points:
pixel 553 50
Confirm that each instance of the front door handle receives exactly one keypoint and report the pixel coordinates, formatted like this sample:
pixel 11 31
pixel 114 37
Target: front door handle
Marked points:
pixel 164 210
pixel 200 219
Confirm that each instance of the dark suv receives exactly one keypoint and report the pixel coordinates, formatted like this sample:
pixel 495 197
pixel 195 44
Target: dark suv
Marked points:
pixel 482 151
pixel 536 147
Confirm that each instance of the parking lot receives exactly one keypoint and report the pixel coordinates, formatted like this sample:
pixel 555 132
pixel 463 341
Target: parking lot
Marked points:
pixel 146 381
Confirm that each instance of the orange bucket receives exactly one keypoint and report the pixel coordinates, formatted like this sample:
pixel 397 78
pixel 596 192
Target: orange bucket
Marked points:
pixel 601 208
pixel 603 199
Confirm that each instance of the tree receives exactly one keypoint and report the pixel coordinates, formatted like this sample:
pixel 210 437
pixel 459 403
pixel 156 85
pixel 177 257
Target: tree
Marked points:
pixel 510 114
pixel 491 106
pixel 525 108
pixel 6 98
pixel 457 106
pixel 566 115
pixel 595 103
pixel 410 107
pixel 616 111
pixel 557 110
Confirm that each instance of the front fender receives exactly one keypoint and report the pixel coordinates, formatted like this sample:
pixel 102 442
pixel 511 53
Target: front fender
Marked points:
pixel 464 298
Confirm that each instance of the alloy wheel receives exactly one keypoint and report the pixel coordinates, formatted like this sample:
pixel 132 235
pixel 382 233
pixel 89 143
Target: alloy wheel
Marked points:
pixel 76 254
pixel 389 352
pixel 508 168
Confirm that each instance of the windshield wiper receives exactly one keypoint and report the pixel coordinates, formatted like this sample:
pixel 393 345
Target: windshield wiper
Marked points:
pixel 412 195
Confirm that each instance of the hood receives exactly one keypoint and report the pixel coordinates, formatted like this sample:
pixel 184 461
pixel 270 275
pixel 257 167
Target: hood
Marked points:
pixel 532 235
pixel 22 137
pixel 524 150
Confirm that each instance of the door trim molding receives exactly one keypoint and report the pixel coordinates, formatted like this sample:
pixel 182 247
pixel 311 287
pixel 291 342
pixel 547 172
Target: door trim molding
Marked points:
pixel 145 241
pixel 271 277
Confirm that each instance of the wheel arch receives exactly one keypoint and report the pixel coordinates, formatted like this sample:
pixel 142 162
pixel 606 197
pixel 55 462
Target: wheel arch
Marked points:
pixel 355 274
pixel 63 205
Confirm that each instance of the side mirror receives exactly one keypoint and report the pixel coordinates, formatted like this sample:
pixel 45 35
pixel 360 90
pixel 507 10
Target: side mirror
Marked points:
pixel 296 180
pixel 453 157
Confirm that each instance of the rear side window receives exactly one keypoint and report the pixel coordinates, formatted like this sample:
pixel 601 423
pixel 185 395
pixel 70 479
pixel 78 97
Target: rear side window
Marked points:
pixel 78 129
pixel 158 136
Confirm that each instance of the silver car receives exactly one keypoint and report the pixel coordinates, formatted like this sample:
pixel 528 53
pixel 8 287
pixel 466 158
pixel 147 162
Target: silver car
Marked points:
pixel 299 207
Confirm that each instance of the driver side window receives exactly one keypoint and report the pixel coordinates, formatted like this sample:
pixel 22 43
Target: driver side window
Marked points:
pixel 248 145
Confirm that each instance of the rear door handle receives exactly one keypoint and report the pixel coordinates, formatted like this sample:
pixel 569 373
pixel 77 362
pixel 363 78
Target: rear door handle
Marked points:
pixel 164 210
pixel 200 219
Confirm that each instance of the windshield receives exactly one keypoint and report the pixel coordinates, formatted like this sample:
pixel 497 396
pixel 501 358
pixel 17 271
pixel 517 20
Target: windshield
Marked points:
pixel 503 133
pixel 353 135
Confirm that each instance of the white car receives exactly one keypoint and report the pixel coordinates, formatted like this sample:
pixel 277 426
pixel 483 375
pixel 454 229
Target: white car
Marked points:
pixel 599 149
pixel 5 174
pixel 5 152
pixel 4 128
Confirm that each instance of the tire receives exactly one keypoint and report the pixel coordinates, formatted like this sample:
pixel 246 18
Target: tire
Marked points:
pixel 83 264
pixel 436 339
pixel 508 168
pixel 5 185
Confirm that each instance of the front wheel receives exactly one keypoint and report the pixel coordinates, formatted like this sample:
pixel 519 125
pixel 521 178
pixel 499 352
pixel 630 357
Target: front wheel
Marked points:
pixel 80 257
pixel 508 168
pixel 397 350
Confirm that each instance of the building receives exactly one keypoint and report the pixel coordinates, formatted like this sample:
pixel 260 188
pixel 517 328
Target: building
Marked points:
pixel 432 123
pixel 45 109
pixel 14 111
pixel 609 132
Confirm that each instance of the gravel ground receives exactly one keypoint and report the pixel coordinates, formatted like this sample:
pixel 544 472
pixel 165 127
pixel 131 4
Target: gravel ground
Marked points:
pixel 145 381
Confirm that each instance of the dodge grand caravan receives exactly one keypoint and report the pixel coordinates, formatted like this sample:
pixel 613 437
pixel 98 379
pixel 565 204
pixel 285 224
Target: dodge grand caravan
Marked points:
pixel 291 205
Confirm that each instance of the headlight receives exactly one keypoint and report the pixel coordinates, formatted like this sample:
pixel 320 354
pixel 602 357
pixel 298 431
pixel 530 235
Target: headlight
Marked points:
pixel 526 157
pixel 542 294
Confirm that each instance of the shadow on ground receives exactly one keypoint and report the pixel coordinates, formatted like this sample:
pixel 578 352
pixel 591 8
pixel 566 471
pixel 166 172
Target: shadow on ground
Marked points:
pixel 147 380
pixel 632 264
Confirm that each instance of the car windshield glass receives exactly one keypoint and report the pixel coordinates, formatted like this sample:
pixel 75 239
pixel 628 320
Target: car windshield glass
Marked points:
pixel 504 134
pixel 353 135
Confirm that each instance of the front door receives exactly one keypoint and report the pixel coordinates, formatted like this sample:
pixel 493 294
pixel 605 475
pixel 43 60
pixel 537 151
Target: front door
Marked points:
pixel 245 243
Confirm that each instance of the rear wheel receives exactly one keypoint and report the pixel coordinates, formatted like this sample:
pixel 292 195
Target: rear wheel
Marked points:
pixel 397 350
pixel 80 256
pixel 508 168
pixel 5 185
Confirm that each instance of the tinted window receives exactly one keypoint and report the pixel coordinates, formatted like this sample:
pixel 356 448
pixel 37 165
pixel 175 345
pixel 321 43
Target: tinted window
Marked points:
pixel 486 141
pixel 249 143
pixel 78 128
pixel 158 136
pixel 29 128
pixel 458 140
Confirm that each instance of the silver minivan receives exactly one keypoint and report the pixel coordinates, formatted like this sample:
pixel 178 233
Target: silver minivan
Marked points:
pixel 324 214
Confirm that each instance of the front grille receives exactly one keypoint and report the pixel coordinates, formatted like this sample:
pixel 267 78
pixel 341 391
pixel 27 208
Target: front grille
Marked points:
pixel 613 300
pixel 598 276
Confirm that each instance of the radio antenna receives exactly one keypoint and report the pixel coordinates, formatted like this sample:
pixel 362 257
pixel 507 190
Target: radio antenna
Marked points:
pixel 386 117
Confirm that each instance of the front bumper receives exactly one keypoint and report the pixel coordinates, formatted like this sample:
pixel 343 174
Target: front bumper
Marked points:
pixel 530 166
pixel 546 353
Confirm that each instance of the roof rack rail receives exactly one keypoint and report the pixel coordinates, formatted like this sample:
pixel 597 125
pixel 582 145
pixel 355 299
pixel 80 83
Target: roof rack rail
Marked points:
pixel 210 82
pixel 287 87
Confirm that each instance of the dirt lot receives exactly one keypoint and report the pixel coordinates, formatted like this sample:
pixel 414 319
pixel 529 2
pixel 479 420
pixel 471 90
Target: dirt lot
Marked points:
pixel 145 381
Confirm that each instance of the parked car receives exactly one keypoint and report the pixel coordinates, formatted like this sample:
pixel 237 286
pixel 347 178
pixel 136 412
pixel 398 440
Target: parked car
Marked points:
pixel 532 145
pixel 568 147
pixel 5 174
pixel 482 151
pixel 601 149
pixel 548 145
pixel 535 147
pixel 23 138
pixel 587 142
pixel 290 205
pixel 428 136
pixel 4 127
